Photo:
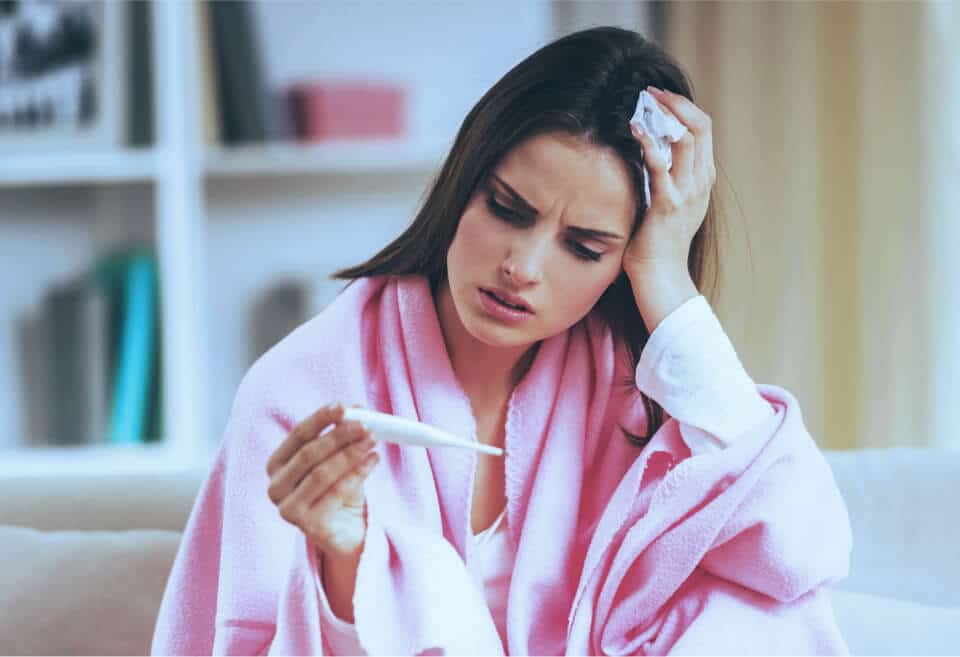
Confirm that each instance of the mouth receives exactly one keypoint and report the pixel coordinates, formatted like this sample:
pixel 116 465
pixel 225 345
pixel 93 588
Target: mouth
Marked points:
pixel 513 303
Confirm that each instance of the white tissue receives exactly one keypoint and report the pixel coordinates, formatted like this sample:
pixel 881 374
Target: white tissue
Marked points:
pixel 662 128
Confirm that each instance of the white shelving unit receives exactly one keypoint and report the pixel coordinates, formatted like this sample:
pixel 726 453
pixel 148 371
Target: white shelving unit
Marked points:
pixel 212 207
pixel 371 156
pixel 132 165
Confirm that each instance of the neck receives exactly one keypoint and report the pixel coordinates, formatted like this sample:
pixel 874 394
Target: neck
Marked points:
pixel 502 368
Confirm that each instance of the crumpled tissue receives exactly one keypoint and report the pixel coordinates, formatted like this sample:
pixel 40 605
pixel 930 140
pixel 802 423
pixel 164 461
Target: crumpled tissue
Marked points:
pixel 662 128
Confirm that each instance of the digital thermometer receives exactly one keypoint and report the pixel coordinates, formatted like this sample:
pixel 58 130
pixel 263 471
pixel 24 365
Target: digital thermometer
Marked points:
pixel 403 431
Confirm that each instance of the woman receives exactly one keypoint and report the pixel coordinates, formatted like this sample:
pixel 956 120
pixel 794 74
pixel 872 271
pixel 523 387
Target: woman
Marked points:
pixel 652 500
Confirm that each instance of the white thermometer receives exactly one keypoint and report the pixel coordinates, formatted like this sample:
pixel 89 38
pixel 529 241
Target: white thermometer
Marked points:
pixel 402 431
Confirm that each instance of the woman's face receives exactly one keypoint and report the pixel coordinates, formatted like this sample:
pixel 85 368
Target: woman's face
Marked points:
pixel 561 232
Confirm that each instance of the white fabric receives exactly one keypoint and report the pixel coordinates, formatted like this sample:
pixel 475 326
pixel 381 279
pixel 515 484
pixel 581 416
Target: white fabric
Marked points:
pixel 496 558
pixel 714 395
pixel 662 128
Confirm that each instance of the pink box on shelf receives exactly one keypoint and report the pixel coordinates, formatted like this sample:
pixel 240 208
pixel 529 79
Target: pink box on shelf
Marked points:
pixel 336 110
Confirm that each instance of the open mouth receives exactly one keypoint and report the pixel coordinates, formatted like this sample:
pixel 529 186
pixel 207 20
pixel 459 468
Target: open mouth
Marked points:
pixel 503 302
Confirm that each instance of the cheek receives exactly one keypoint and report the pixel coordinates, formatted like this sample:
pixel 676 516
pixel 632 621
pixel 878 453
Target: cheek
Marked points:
pixel 476 240
pixel 574 300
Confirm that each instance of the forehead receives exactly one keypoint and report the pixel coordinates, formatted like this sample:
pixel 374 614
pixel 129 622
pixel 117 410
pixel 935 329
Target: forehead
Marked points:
pixel 589 184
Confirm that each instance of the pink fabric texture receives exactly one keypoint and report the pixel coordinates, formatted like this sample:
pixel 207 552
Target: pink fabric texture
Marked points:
pixel 618 550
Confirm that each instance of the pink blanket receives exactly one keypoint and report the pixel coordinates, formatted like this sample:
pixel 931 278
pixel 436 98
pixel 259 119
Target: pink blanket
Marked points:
pixel 619 550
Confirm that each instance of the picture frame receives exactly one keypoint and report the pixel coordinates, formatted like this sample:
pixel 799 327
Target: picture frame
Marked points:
pixel 62 77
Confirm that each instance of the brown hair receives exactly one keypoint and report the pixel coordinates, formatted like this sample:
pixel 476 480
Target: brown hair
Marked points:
pixel 585 84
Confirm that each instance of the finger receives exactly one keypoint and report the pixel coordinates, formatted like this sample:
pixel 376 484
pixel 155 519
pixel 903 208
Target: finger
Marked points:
pixel 349 486
pixel 684 154
pixel 319 481
pixel 683 151
pixel 704 167
pixel 321 461
pixel 655 162
pixel 699 123
pixel 304 433
pixel 685 111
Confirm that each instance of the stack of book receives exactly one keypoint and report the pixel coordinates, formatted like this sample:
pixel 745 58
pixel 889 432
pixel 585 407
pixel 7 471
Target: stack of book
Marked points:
pixel 241 107
pixel 98 354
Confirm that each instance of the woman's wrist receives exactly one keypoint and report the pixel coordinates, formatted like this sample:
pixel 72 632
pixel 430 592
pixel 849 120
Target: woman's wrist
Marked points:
pixel 339 578
pixel 659 290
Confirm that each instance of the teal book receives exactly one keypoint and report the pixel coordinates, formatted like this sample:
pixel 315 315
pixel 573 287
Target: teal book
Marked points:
pixel 136 350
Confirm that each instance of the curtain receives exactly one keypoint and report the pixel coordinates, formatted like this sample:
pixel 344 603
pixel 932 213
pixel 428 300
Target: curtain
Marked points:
pixel 838 205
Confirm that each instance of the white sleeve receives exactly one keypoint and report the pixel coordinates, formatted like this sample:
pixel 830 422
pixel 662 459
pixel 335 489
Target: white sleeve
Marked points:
pixel 690 367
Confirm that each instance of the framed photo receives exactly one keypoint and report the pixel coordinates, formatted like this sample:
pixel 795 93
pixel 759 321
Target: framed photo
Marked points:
pixel 61 75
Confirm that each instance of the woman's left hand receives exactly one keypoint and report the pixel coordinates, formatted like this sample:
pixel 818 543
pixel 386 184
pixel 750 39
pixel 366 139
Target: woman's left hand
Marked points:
pixel 678 197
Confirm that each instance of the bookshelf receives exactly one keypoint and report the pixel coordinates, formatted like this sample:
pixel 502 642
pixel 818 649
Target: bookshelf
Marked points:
pixel 286 159
pixel 97 168
pixel 211 211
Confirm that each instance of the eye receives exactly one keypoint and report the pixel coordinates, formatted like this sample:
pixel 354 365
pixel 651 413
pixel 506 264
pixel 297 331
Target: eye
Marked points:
pixel 579 250
pixel 500 210
pixel 583 252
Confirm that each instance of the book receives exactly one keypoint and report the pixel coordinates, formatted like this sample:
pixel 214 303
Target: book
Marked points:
pixel 34 348
pixel 76 318
pixel 243 99
pixel 135 355
pixel 347 109
pixel 92 356
pixel 140 73
pixel 209 92
pixel 277 312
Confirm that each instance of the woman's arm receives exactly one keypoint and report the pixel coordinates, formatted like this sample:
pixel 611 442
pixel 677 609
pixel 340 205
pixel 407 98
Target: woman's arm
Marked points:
pixel 659 290
pixel 692 371
pixel 339 579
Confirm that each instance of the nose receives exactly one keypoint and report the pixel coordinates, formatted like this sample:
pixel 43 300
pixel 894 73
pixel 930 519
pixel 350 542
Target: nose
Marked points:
pixel 524 264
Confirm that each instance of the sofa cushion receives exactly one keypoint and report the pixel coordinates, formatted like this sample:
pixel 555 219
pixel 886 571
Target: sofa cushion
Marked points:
pixel 876 625
pixel 81 592
pixel 906 528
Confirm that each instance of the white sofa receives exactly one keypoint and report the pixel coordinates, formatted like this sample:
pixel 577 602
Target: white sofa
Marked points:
pixel 83 561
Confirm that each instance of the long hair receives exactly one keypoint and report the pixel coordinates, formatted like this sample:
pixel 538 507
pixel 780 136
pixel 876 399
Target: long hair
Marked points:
pixel 585 84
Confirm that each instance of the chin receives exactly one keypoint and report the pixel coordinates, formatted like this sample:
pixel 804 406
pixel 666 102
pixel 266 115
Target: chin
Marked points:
pixel 487 332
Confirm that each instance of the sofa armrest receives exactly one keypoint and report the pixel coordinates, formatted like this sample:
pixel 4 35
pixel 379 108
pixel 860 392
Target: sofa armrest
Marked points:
pixel 96 502
pixel 82 593
pixel 877 625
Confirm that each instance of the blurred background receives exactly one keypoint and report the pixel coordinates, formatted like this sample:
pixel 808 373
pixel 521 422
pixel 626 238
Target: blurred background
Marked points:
pixel 178 179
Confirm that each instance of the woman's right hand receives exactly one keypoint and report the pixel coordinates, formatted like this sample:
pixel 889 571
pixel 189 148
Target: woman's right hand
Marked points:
pixel 316 480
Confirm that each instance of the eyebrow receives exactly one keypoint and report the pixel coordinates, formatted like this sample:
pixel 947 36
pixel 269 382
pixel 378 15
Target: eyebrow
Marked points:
pixel 578 230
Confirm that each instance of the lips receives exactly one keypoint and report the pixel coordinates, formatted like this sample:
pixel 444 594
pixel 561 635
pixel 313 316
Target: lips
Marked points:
pixel 508 299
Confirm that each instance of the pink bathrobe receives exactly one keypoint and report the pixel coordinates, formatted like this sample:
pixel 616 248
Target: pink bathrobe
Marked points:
pixel 618 550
